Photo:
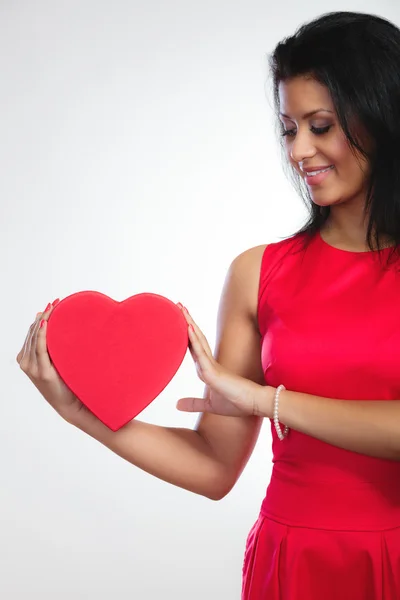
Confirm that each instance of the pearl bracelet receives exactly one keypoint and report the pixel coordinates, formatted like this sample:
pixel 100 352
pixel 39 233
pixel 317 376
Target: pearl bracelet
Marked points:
pixel 281 435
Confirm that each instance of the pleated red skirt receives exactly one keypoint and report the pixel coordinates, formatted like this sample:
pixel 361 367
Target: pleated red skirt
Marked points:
pixel 325 542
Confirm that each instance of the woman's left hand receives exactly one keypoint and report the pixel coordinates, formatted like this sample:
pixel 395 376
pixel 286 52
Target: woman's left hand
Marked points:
pixel 229 394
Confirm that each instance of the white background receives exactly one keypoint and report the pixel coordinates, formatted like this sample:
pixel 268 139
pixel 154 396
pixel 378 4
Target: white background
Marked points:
pixel 138 154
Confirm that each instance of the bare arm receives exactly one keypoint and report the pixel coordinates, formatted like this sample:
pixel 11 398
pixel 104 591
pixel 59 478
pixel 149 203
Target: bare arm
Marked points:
pixel 370 427
pixel 209 459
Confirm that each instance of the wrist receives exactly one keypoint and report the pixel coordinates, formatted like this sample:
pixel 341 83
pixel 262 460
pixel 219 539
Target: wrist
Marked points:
pixel 265 405
pixel 81 418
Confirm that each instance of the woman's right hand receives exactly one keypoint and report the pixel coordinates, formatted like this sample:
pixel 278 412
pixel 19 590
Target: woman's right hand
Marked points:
pixel 35 362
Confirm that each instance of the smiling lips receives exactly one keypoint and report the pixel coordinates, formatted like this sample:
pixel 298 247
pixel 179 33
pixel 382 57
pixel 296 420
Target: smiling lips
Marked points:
pixel 319 177
pixel 319 168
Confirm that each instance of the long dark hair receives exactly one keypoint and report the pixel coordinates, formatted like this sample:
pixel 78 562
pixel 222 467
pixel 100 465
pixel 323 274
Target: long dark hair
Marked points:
pixel 357 57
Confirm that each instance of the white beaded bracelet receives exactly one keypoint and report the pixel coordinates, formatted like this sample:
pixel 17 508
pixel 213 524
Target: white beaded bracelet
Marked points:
pixel 281 435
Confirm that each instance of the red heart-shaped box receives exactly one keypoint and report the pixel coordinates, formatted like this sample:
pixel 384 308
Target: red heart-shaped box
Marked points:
pixel 116 357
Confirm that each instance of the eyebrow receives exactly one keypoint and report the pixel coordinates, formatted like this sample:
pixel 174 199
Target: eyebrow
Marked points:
pixel 309 114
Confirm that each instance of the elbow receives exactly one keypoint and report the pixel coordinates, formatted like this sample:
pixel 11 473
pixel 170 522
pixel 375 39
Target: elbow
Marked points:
pixel 218 480
pixel 220 490
pixel 216 496
pixel 219 496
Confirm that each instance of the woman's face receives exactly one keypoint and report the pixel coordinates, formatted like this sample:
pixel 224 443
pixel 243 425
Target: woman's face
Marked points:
pixel 318 141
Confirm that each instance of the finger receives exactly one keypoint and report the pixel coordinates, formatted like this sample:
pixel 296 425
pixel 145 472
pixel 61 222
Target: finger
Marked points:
pixel 32 345
pixel 200 356
pixel 196 349
pixel 42 355
pixel 24 352
pixel 32 349
pixel 23 356
pixel 199 333
pixel 40 345
pixel 193 405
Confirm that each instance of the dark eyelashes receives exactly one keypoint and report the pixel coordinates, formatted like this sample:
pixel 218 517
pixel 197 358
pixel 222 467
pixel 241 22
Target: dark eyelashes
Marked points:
pixel 317 130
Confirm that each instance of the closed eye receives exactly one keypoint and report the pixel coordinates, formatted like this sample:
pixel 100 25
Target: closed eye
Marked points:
pixel 316 130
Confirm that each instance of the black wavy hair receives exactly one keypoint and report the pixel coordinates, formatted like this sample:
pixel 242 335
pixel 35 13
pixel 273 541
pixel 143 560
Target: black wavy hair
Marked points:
pixel 357 57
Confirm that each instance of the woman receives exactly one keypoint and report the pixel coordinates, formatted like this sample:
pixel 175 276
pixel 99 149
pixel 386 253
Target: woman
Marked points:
pixel 308 336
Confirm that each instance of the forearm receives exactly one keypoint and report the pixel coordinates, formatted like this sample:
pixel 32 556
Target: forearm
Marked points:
pixel 370 427
pixel 175 455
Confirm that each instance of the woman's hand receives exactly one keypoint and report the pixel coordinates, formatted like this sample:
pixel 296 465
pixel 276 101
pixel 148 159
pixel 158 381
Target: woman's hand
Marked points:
pixel 230 394
pixel 34 360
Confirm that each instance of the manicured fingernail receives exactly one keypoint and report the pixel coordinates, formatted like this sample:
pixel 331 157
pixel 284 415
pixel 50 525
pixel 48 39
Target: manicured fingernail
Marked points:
pixel 56 302
pixel 42 322
pixel 179 304
pixel 47 307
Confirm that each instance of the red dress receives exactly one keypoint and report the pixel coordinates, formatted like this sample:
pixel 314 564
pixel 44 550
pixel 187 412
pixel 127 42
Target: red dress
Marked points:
pixel 329 526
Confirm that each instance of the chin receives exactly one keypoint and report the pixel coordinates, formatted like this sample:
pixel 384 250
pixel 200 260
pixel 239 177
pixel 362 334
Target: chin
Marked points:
pixel 328 202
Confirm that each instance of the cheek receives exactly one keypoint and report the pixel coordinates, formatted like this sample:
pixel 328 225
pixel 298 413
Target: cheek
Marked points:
pixel 347 166
pixel 342 155
pixel 339 153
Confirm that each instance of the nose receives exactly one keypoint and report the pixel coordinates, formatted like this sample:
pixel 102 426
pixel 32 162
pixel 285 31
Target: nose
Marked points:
pixel 302 147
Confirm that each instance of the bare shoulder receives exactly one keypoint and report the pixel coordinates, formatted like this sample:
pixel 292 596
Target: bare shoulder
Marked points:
pixel 249 261
pixel 253 254
pixel 246 268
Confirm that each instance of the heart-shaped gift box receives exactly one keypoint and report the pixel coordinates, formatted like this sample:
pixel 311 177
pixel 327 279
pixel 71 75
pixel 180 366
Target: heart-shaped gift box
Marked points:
pixel 116 357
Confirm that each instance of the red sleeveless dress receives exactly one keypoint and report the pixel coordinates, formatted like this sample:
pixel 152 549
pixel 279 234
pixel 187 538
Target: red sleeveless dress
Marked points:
pixel 329 526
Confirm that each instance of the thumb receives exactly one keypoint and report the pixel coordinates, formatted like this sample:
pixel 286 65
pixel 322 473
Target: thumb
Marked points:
pixel 192 405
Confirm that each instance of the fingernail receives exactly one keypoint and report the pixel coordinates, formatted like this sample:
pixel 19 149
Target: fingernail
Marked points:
pixel 179 304
pixel 42 322
pixel 185 309
pixel 56 302
pixel 47 307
